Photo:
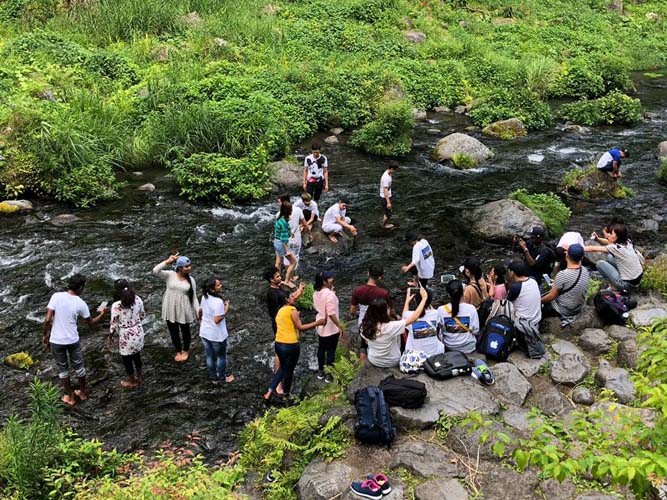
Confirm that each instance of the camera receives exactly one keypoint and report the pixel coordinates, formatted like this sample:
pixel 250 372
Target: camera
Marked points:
pixel 446 278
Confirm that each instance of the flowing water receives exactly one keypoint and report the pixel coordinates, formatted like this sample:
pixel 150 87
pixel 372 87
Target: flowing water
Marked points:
pixel 128 237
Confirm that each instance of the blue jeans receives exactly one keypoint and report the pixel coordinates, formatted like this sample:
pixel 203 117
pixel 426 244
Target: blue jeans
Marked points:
pixel 216 358
pixel 288 354
pixel 609 272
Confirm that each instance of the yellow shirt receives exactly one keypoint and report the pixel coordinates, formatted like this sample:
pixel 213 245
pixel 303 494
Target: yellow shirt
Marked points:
pixel 286 332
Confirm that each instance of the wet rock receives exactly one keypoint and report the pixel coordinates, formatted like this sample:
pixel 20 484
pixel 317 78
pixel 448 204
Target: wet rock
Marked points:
pixel 63 220
pixel 628 354
pixel 510 386
pixel 323 481
pixel 445 109
pixel 648 226
pixel 500 220
pixel 439 489
pixel 506 129
pixel 550 401
pixel 321 244
pixel 434 131
pixel 332 139
pixel 583 396
pixel 595 340
pixel 455 144
pixel 618 332
pixel 148 187
pixel 138 174
pixel 575 129
pixel 460 110
pixel 426 459
pixel 6 208
pixel 419 114
pixel 528 367
pixel 19 205
pixel 535 158
pixel 337 131
pixel 570 369
pixel 192 20
pixel 501 483
pixel 552 489
pixel 472 128
pixel 616 380
pixel 564 347
pixel 616 6
pixel 415 36
pixel 662 149
pixel 285 175
pixel 594 184
pixel 646 315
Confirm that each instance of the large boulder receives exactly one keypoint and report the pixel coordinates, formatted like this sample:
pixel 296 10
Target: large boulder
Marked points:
pixel 427 459
pixel 285 175
pixel 322 481
pixel 570 369
pixel 321 244
pixel 501 483
pixel 549 400
pixel 646 315
pixel 662 150
pixel 616 380
pixel 595 341
pixel 455 146
pixel 10 206
pixel 628 354
pixel 594 184
pixel 618 332
pixel 506 129
pixel 500 220
pixel 510 386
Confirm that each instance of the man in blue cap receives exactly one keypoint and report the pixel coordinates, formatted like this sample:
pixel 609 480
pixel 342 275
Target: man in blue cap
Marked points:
pixel 567 295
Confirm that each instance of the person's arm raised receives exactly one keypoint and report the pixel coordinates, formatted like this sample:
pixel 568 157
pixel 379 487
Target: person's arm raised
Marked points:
pixel 422 303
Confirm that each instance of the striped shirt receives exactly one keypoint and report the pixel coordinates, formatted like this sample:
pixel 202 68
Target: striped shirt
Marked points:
pixel 570 303
pixel 282 230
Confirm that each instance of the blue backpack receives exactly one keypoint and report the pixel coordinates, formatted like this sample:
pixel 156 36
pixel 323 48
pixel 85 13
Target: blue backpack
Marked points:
pixel 374 425
pixel 497 339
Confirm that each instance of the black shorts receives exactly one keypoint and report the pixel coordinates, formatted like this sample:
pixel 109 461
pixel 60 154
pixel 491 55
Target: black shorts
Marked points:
pixel 315 188
pixel 607 168
pixel 387 211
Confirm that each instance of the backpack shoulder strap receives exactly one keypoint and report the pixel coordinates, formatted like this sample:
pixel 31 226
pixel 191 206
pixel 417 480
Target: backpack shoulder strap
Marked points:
pixel 458 322
pixel 566 290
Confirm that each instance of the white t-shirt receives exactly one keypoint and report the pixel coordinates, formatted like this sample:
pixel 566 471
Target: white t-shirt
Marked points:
pixel 211 307
pixel 525 295
pixel 570 238
pixel 67 308
pixel 295 226
pixel 605 159
pixel 422 258
pixel 455 335
pixel 312 207
pixel 315 166
pixel 385 182
pixel 384 351
pixel 331 214
pixel 423 334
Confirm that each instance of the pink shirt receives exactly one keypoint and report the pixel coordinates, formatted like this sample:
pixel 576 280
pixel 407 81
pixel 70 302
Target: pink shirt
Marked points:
pixel 326 304
pixel 500 292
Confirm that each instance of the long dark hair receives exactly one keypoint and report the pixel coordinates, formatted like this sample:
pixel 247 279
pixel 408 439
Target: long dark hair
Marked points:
pixel 191 290
pixel 285 210
pixel 455 291
pixel 500 270
pixel 375 314
pixel 209 287
pixel 621 232
pixel 319 281
pixel 124 292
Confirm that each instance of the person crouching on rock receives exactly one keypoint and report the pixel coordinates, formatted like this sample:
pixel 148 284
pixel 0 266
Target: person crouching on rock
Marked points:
pixel 383 335
pixel 610 162
pixel 287 347
pixel 127 312
pixel 335 220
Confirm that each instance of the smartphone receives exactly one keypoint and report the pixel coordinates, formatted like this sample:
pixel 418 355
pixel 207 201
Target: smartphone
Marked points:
pixel 414 291
pixel 547 279
pixel 102 306
pixel 446 278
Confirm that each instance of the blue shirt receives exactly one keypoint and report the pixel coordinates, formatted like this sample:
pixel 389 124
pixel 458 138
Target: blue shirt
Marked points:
pixel 616 155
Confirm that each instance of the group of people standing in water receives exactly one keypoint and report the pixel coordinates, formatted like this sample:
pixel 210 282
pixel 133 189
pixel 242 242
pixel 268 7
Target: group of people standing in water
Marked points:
pixel 384 336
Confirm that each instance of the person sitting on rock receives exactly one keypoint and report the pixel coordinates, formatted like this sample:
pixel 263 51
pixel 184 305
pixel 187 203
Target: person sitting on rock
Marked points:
pixel 477 290
pixel 536 254
pixel 568 238
pixel 458 321
pixel 422 265
pixel 611 161
pixel 310 211
pixel 567 295
pixel 524 293
pixel 315 173
pixel 623 268
pixel 423 333
pixel 383 335
pixel 335 220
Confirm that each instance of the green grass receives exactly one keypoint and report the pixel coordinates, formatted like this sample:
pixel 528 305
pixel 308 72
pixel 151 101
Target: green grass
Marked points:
pixel 547 206
pixel 661 174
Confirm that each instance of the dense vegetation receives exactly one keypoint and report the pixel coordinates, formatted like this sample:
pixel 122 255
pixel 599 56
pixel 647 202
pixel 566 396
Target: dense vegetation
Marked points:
pixel 547 206
pixel 91 88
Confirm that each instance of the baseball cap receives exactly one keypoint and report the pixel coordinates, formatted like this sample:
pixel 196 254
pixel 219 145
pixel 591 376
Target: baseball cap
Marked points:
pixel 576 252
pixel 182 261
pixel 626 153
pixel 536 232
pixel 327 275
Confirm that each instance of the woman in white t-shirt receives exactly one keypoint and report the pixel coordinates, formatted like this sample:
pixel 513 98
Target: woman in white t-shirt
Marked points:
pixel 213 330
pixel 459 323
pixel 383 335
pixel 423 333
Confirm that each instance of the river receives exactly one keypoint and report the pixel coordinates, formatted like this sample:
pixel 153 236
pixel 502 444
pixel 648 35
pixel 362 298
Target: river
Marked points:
pixel 128 237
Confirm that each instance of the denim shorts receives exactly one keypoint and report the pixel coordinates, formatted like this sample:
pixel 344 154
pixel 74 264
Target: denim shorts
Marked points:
pixel 61 353
pixel 279 247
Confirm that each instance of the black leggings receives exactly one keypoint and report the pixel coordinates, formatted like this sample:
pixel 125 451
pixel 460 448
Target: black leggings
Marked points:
pixel 326 350
pixel 176 338
pixel 132 362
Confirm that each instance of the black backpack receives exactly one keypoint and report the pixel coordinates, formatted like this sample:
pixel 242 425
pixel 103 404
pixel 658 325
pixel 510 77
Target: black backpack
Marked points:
pixel 447 365
pixel 484 310
pixel 374 425
pixel 611 307
pixel 403 392
pixel 498 338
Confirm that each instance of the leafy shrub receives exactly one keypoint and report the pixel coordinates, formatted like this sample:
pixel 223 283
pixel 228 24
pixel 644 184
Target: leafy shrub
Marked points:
pixel 655 276
pixel 594 286
pixel 516 103
pixel 540 74
pixel 463 160
pixel 84 186
pixel 305 302
pixel 431 85
pixel 20 360
pixel 41 45
pixel 661 174
pixel 112 66
pixel 547 206
pixel 390 133
pixel 614 108
pixel 213 177
pixel 577 79
pixel 30 11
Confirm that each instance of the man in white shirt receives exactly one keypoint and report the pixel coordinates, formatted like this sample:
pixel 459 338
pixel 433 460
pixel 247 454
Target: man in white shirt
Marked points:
pixel 315 173
pixel 385 193
pixel 422 265
pixel 297 222
pixel 335 220
pixel 309 208
pixel 610 162
pixel 62 335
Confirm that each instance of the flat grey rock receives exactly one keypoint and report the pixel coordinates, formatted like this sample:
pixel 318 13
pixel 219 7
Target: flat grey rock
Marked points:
pixel 323 481
pixel 528 367
pixel 63 220
pixel 501 483
pixel 564 347
pixel 595 340
pixel 517 418
pixel 646 315
pixel 616 380
pixel 550 401
pixel 555 490
pixel 449 489
pixel 427 459
pixel 618 332
pixel 511 386
pixel 570 369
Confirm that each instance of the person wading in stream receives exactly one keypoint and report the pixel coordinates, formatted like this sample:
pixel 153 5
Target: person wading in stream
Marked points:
pixel 179 303
pixel 126 315
pixel 213 330
pixel 62 335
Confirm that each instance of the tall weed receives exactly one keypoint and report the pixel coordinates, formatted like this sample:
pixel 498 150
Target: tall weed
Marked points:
pixel 540 75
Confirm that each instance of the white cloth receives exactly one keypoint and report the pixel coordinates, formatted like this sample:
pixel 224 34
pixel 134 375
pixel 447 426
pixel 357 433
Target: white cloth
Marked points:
pixel 456 337
pixel 528 304
pixel 384 351
pixel 627 260
pixel 176 304
pixel 423 334
pixel 385 182
pixel 312 207
pixel 127 323
pixel 315 166
pixel 605 159
pixel 570 238
pixel 67 308
pixel 329 223
pixel 209 330
pixel 295 226
pixel 422 258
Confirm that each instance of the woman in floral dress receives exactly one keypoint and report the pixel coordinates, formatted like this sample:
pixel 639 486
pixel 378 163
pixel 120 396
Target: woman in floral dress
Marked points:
pixel 126 316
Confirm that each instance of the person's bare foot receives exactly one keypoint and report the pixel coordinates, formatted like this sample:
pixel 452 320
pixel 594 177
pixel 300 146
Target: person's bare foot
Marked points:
pixel 333 239
pixel 128 384
pixel 69 401
pixel 230 378
pixel 267 396
pixel 388 226
pixel 177 357
pixel 185 355
pixel 279 389
pixel 81 395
